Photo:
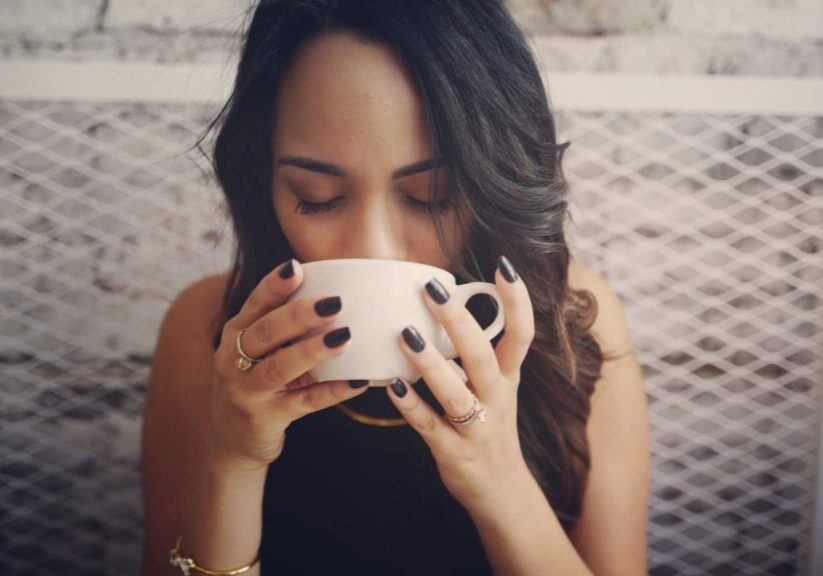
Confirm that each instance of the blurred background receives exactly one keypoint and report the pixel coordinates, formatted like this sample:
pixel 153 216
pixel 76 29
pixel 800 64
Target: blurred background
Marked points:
pixel 696 171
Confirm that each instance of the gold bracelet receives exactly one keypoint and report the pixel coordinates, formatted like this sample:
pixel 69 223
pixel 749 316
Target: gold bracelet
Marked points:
pixel 187 565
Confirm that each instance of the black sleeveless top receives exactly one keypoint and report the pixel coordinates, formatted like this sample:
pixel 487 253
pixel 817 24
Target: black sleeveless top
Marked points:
pixel 350 498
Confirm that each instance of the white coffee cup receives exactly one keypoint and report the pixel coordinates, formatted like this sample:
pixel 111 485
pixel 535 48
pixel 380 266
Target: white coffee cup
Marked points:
pixel 379 298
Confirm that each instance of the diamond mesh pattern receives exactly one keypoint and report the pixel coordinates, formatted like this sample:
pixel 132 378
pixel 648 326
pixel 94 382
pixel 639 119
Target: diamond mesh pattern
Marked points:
pixel 102 222
pixel 707 226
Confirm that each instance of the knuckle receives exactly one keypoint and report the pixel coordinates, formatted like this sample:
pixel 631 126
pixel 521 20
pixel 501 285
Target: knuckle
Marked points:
pixel 464 321
pixel 223 361
pixel 427 362
pixel 487 362
pixel 311 400
pixel 219 364
pixel 261 330
pixel 226 333
pixel 428 424
pixel 525 336
pixel 254 302
pixel 457 315
pixel 271 368
pixel 297 314
pixel 235 396
pixel 456 406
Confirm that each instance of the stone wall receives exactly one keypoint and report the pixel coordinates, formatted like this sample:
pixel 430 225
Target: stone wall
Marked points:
pixel 748 37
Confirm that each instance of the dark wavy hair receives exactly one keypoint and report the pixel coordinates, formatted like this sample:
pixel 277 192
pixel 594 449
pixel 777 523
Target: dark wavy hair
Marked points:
pixel 490 121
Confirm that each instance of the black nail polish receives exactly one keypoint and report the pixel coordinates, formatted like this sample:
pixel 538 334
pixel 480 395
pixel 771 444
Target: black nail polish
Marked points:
pixel 337 337
pixel 413 339
pixel 358 383
pixel 328 306
pixel 287 270
pixel 506 269
pixel 437 291
pixel 399 387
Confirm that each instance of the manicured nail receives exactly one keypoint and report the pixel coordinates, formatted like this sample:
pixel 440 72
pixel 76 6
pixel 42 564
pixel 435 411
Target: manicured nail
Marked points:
pixel 328 306
pixel 358 383
pixel 506 269
pixel 335 338
pixel 287 270
pixel 437 291
pixel 413 339
pixel 399 388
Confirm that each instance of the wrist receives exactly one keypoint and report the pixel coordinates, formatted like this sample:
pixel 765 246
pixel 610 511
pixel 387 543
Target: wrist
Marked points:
pixel 504 497
pixel 220 466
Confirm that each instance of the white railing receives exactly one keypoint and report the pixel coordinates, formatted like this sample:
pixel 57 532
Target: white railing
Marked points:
pixel 700 198
pixel 203 84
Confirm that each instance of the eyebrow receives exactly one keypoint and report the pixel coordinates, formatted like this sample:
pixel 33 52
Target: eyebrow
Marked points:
pixel 334 170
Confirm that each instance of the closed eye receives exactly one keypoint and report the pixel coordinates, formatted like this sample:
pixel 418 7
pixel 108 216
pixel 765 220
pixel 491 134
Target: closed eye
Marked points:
pixel 305 207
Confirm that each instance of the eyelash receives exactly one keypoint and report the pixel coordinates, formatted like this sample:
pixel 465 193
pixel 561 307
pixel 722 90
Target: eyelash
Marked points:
pixel 305 207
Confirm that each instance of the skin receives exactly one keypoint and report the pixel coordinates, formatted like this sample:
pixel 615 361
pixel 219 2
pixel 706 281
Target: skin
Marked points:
pixel 366 117
pixel 355 105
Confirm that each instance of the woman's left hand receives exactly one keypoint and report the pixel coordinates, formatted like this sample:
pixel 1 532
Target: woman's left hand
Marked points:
pixel 475 461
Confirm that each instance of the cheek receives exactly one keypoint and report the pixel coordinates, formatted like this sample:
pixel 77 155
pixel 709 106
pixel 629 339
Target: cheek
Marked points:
pixel 426 246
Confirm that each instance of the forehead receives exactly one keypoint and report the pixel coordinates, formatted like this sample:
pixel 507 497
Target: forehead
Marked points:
pixel 347 100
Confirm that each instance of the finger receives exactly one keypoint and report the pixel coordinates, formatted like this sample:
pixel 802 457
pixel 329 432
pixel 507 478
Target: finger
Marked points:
pixel 316 397
pixel 473 346
pixel 459 371
pixel 512 348
pixel 288 323
pixel 289 363
pixel 272 291
pixel 301 382
pixel 442 379
pixel 421 416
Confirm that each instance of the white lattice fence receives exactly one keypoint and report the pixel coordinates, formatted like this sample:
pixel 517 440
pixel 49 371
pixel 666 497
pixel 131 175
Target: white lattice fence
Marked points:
pixel 103 220
pixel 707 223
pixel 710 228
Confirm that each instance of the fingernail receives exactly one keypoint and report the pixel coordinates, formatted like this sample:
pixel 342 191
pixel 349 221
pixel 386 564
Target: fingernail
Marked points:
pixel 335 338
pixel 287 270
pixel 399 388
pixel 506 269
pixel 413 339
pixel 328 306
pixel 437 291
pixel 358 383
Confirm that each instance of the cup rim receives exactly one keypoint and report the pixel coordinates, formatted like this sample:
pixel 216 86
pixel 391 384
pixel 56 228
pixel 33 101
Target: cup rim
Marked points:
pixel 379 261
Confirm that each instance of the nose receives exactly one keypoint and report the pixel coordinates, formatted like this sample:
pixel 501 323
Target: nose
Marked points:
pixel 375 230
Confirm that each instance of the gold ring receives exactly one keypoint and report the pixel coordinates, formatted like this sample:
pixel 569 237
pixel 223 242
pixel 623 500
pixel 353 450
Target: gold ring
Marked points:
pixel 245 361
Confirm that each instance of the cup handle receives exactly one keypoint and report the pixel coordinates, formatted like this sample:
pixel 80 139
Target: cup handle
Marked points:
pixel 464 292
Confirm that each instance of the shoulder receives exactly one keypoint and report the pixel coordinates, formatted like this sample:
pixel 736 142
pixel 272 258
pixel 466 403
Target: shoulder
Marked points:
pixel 196 305
pixel 202 295
pixel 173 447
pixel 610 327
pixel 182 361
pixel 610 535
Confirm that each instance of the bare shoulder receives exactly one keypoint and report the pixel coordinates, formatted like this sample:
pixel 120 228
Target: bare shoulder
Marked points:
pixel 610 535
pixel 174 442
pixel 199 301
pixel 610 327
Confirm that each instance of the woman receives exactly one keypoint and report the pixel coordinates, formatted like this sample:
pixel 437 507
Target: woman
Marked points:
pixel 414 131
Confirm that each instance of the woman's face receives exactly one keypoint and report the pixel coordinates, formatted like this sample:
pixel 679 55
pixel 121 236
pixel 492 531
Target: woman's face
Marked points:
pixel 350 130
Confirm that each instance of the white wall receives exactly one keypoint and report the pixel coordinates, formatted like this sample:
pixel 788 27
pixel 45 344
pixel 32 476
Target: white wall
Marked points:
pixel 754 37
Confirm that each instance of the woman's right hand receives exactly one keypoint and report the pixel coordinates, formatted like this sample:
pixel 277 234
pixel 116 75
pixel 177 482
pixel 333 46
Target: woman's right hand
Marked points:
pixel 251 410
